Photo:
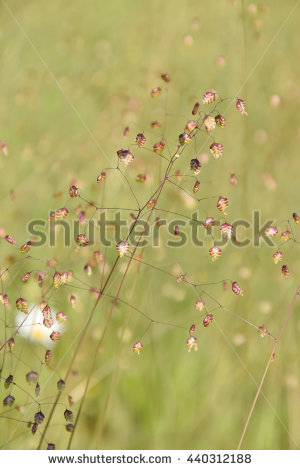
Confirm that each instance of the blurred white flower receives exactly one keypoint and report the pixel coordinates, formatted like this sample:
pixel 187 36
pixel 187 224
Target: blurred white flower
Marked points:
pixel 32 328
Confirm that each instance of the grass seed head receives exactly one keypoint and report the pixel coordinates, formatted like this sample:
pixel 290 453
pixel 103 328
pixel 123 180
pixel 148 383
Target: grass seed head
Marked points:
pixel 140 140
pixel 122 248
pixel 220 121
pixel 209 97
pixel 241 107
pixel 285 271
pixel 195 108
pixel 9 400
pixel 236 289
pixel 209 123
pixel 216 149
pixel 195 166
pixel 155 92
pixel 222 204
pixel 137 347
pixel 192 343
pixel 208 320
pixel 215 253
pixel 296 218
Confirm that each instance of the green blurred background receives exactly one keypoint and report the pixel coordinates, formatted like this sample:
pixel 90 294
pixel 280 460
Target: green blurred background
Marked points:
pixel 73 76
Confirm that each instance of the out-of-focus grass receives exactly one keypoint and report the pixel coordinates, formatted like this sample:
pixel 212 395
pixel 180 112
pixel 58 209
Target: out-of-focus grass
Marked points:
pixel 63 111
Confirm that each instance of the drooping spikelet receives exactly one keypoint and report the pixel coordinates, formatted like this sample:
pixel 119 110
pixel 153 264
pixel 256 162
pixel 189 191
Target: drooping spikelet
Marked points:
pixel 73 191
pixel 122 248
pixel 155 125
pixel 61 213
pixel 48 320
pixel 209 97
pixel 26 247
pixel 195 166
pixel 191 125
pixel 226 229
pixel 192 343
pixel 26 276
pixel 125 156
pixel 208 320
pixel 137 347
pixel 296 218
pixel 82 240
pixel 215 252
pixel 220 120
pixel 141 178
pixel 222 204
pixel 271 231
pixel 22 305
pixel 285 235
pixel 195 108
pixel 241 107
pixel 277 256
pixel 200 305
pixel 216 149
pixel 101 177
pixel 285 271
pixel 10 239
pixel 155 91
pixel 236 289
pixel 140 140
pixel 184 138
pixel 196 186
pixel 209 123
pixel 31 377
pixel 209 222
pixel 166 78
pixel 233 179
pixel 55 336
pixel 159 146
pixel 56 279
pixel 262 331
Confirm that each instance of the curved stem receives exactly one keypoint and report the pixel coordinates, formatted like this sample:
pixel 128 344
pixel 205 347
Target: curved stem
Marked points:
pixel 267 367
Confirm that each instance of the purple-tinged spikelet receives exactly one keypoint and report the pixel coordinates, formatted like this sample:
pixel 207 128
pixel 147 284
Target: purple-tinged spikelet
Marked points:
pixel 184 138
pixel 137 347
pixel 192 343
pixel 195 166
pixel 195 108
pixel 191 125
pixel 285 271
pixel 216 149
pixel 277 256
pixel 220 120
pixel 140 140
pixel 296 218
pixel 271 231
pixel 215 253
pixel 122 248
pixel 226 230
pixel 241 107
pixel 222 204
pixel 236 289
pixel 155 91
pixel 73 191
pixel 101 177
pixel 209 123
pixel 200 305
pixel 208 320
pixel 125 156
pixel 209 97
pixel 22 305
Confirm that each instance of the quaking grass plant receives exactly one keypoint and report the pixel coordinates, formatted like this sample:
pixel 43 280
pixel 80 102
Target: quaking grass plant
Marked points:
pixel 41 290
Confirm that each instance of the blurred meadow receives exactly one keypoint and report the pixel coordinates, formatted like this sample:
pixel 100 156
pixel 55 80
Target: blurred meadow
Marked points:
pixel 73 76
